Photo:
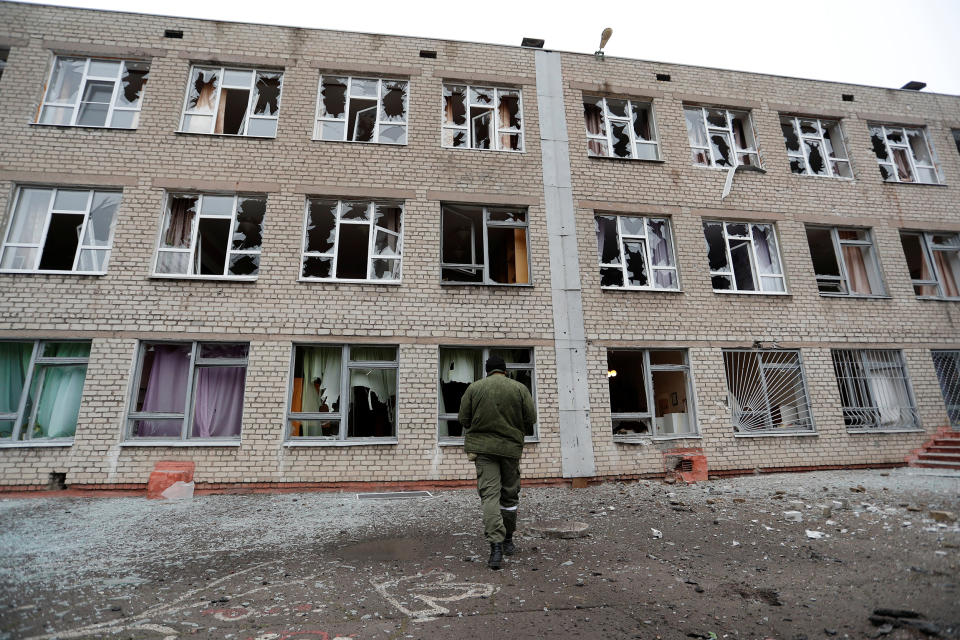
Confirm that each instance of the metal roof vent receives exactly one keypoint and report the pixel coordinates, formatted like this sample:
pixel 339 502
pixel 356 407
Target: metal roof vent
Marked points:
pixel 914 85
pixel 533 43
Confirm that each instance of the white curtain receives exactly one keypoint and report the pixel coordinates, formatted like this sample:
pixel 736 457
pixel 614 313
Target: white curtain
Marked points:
pixel 321 378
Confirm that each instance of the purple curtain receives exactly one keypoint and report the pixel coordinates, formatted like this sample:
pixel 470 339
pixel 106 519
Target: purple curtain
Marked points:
pixel 167 372
pixel 218 408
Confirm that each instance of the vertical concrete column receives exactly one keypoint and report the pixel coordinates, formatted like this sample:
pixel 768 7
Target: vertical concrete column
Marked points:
pixel 576 443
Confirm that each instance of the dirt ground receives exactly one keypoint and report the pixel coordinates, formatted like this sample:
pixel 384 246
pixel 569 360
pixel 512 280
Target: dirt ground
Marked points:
pixel 713 560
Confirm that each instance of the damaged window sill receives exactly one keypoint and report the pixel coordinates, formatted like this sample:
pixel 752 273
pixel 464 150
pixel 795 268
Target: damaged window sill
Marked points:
pixel 841 296
pixel 916 184
pixel 641 289
pixel 647 439
pixel 180 443
pixel 867 432
pixel 486 284
pixel 28 444
pixel 341 443
pixel 512 151
pixel 817 176
pixel 727 292
pixel 641 160
pixel 458 442
pixel 390 283
pixel 361 142
pixel 27 272
pixel 937 299
pixel 180 276
pixel 785 434
pixel 79 127
pixel 224 135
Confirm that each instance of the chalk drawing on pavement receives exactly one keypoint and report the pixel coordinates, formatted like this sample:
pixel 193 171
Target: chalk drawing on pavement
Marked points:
pixel 420 596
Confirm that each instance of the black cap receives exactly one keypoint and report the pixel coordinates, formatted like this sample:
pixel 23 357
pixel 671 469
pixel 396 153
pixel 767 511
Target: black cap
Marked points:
pixel 496 363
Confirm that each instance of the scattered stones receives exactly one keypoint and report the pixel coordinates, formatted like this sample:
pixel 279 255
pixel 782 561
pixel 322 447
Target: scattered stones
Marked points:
pixel 793 516
pixel 943 516
pixel 563 529
pixel 656 534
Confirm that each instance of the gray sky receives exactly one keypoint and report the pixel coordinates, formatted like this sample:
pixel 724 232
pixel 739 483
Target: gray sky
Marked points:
pixel 876 42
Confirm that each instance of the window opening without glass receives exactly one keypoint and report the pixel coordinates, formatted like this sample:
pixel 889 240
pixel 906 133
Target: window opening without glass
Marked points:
pixel 41 384
pixel 651 393
pixel 934 263
pixel 3 60
pixel 636 252
pixel 482 118
pixel 362 110
pixel 721 137
pixel 459 366
pixel 58 230
pixel 874 390
pixel 618 128
pixel 766 391
pixel 904 154
pixel 352 240
pixel 343 392
pixel 239 102
pixel 744 257
pixel 947 364
pixel 209 235
pixel 89 92
pixel 188 391
pixel 484 245
pixel 815 147
pixel 956 138
pixel 844 261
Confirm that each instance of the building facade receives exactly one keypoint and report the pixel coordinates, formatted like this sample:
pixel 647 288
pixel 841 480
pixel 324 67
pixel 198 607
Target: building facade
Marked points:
pixel 282 254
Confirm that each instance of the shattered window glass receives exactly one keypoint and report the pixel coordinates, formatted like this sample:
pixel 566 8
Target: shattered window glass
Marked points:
pixel 357 240
pixel 844 261
pixel 362 110
pixel 721 137
pixel 650 393
pixel 823 152
pixel 743 257
pixel 484 245
pixel 239 102
pixel 620 128
pixel 87 92
pixel 933 260
pixel 482 118
pixel 635 252
pixel 904 154
pixel 766 391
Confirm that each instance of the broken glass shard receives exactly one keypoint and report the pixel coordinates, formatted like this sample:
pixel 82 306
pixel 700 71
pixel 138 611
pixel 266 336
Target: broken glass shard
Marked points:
pixel 244 265
pixel 593 115
pixel 248 233
pixel 454 105
pixel 321 226
pixel 815 158
pixel 314 267
pixel 393 134
pixel 717 118
pixel 393 107
pixel 611 277
pixel 642 126
pixel 633 253
pixel 716 248
pixel 267 94
pixel 386 269
pixel 509 109
pixel 608 250
pixel 790 135
pixel 720 144
pixel 333 94
pixel 481 96
pixel 617 108
pixel 621 140
pixel 203 90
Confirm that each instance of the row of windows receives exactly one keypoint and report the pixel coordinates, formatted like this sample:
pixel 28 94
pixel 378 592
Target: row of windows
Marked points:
pixel 220 236
pixel 246 102
pixel 193 391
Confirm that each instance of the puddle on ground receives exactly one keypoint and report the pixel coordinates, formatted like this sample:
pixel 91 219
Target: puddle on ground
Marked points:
pixel 382 550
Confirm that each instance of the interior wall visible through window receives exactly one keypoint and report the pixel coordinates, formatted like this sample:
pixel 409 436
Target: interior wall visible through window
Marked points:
pixel 486 118
pixel 240 102
pixel 362 110
pixel 744 257
pixel 766 391
pixel 484 245
pixel 845 261
pixel 352 240
pixel 933 260
pixel 651 393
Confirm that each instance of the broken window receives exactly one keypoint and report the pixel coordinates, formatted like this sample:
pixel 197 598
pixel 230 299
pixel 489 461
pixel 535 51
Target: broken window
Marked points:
pixel 482 118
pixel 744 257
pixel 484 245
pixel 650 393
pixel 956 138
pixel 721 137
pixel 766 391
pixel 343 392
pixel 815 147
pixel 87 92
pixel 60 230
pixel 904 154
pixel 874 390
pixel 3 60
pixel 211 235
pixel 947 364
pixel 362 110
pixel 459 366
pixel 845 261
pixel 41 383
pixel 636 253
pixel 352 240
pixel 188 391
pixel 934 263
pixel 618 128
pixel 237 102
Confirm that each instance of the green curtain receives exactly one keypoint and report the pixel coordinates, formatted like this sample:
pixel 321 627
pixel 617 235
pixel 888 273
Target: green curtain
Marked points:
pixel 14 361
pixel 62 388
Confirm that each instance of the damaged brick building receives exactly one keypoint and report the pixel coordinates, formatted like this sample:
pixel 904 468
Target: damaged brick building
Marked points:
pixel 282 254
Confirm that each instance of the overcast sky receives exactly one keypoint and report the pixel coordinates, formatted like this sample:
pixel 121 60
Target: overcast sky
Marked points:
pixel 876 42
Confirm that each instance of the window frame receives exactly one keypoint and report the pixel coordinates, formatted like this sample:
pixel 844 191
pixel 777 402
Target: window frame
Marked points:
pixel 635 141
pixel 343 415
pixel 371 240
pixel 927 248
pixel 484 355
pixel 38 359
pixel 756 275
pixel 194 231
pixel 651 413
pixel 221 70
pixel 889 147
pixel 649 268
pixel 189 408
pixel 823 124
pixel 893 361
pixel 769 429
pixel 728 131
pixel 949 389
pixel 843 279
pixel 487 224
pixel 319 118
pixel 956 138
pixel 51 210
pixel 85 78
pixel 498 130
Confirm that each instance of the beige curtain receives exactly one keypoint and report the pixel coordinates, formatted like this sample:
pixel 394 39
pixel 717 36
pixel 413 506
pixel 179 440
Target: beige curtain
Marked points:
pixel 856 270
pixel 180 224
pixel 949 278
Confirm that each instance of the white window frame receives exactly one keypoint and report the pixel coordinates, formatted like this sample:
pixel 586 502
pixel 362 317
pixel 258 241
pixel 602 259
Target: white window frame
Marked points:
pixel 801 156
pixel 609 119
pixel 485 265
pixel 764 395
pixel 484 356
pixel 891 167
pixel 727 131
pixel 38 359
pixel 928 246
pixel 194 231
pixel 468 126
pixel 371 241
pixel 648 266
pixel 754 269
pixel 51 209
pixel 196 363
pixel 343 415
pixel 874 364
pixel 320 118
pixel 651 413
pixel 248 115
pixel 873 265
pixel 87 76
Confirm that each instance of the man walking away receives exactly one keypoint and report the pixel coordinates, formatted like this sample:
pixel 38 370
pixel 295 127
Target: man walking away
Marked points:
pixel 495 412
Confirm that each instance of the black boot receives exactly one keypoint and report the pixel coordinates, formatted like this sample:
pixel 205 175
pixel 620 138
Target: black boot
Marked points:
pixel 508 547
pixel 496 555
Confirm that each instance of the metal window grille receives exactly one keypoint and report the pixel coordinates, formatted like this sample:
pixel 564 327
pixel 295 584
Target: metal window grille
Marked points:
pixel 947 364
pixel 766 391
pixel 874 389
